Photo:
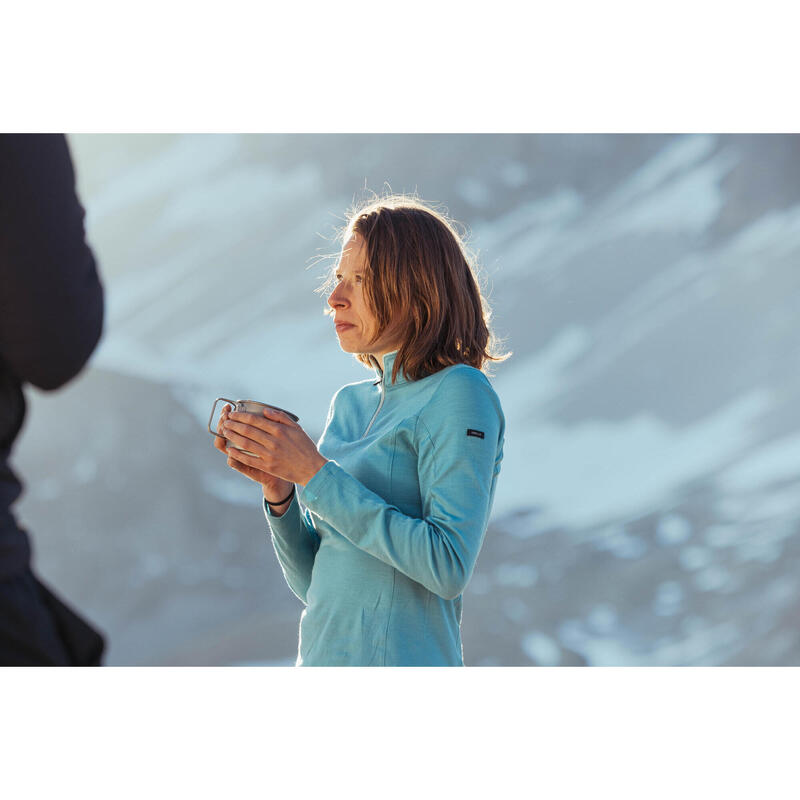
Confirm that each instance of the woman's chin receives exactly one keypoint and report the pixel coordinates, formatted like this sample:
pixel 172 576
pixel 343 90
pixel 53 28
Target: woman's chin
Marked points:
pixel 347 341
pixel 347 346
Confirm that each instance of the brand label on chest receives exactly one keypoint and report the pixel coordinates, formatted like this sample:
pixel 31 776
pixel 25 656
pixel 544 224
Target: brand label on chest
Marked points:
pixel 473 432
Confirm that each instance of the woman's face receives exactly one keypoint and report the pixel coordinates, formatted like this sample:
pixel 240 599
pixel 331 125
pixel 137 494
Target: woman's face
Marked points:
pixel 355 323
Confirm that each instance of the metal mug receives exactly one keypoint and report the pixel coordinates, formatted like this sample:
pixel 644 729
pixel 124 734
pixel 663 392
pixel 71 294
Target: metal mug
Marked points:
pixel 248 407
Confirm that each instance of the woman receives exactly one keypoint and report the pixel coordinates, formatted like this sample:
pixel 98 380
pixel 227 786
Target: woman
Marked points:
pixel 378 527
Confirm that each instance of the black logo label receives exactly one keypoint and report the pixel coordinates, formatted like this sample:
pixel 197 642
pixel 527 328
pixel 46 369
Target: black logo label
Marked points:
pixel 473 432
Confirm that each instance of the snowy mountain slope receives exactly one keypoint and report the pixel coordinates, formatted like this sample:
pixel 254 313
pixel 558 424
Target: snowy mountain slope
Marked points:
pixel 648 287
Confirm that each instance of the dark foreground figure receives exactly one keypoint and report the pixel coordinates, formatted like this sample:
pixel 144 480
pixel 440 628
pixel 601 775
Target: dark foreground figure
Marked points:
pixel 51 318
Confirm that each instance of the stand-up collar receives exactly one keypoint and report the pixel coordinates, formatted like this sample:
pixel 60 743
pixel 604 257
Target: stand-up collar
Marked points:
pixel 388 364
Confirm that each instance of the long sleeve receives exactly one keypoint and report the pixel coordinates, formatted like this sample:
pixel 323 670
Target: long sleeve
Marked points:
pixel 459 436
pixel 296 543
pixel 51 301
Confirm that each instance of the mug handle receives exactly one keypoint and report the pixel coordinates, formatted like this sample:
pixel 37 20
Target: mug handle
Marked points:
pixel 213 409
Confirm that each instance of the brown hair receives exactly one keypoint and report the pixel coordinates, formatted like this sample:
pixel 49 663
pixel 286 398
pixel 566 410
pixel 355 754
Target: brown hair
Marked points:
pixel 418 267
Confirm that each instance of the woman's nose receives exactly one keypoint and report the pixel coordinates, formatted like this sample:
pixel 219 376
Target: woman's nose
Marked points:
pixel 336 297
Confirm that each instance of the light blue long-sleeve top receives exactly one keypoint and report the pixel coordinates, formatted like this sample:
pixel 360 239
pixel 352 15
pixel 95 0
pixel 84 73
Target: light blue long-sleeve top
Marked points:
pixel 382 541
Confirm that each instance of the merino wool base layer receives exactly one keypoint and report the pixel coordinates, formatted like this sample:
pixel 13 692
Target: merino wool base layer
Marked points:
pixel 381 542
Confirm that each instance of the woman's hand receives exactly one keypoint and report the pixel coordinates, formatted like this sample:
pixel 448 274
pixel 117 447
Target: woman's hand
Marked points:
pixel 274 488
pixel 283 449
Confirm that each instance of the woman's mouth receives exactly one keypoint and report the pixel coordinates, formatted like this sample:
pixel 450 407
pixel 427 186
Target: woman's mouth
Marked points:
pixel 343 326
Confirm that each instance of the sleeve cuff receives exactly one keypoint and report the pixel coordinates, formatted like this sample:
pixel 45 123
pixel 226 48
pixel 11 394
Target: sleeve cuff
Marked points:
pixel 319 484
pixel 268 510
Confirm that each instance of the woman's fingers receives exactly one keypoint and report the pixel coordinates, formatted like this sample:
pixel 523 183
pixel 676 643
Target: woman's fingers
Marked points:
pixel 243 442
pixel 279 416
pixel 256 467
pixel 219 439
pixel 270 426
pixel 249 472
pixel 249 432
pixel 270 437
pixel 249 466
pixel 219 442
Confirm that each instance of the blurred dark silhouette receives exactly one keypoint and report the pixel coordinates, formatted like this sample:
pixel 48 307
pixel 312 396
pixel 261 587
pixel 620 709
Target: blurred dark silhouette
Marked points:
pixel 51 319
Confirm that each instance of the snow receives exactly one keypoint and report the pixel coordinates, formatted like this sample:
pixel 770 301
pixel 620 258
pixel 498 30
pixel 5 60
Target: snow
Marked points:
pixel 617 437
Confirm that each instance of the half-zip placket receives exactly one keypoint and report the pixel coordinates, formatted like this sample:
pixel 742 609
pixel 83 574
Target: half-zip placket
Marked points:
pixel 377 410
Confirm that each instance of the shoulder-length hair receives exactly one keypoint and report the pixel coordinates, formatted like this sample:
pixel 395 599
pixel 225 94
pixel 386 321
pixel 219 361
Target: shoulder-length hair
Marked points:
pixel 420 279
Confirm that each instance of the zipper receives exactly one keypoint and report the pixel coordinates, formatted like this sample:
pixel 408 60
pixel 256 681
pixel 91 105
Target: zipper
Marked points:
pixel 377 410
